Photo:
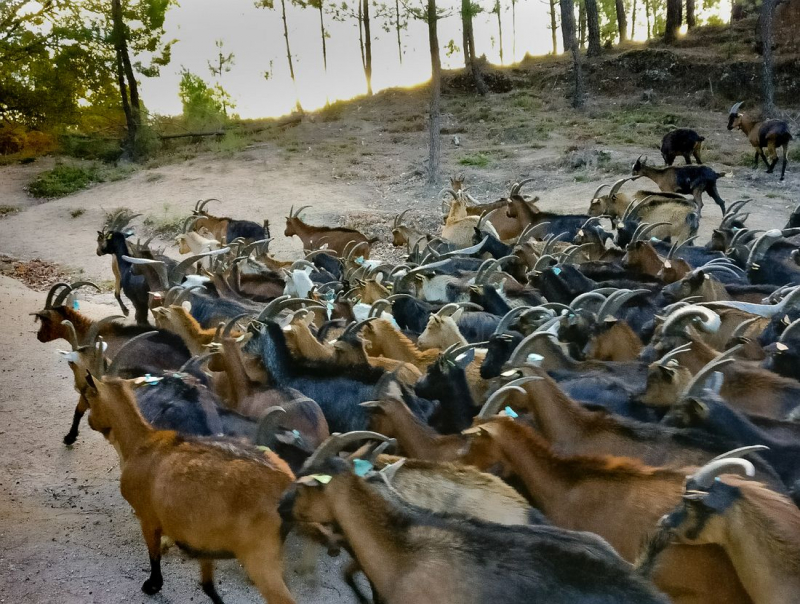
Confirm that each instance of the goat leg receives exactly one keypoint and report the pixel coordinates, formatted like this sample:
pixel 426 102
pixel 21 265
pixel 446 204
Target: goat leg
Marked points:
pixel 688 159
pixel 207 581
pixel 711 189
pixel 758 153
pixel 152 536
pixel 785 153
pixel 80 409
pixel 350 578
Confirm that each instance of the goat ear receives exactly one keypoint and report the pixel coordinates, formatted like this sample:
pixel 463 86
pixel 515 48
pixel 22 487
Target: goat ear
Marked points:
pixel 668 372
pixel 697 408
pixel 457 315
pixel 187 306
pixel 90 381
pixel 465 359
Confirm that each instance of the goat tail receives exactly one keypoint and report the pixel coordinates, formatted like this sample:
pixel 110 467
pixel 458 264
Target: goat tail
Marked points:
pixel 724 174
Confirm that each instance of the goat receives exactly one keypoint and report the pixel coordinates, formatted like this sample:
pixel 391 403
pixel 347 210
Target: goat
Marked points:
pixel 617 498
pixel 398 547
pixel 677 219
pixel 335 239
pixel 762 133
pixel 165 475
pixel 681 141
pixel 224 229
pixel 694 180
pixel 758 528
pixel 404 235
pixel 459 227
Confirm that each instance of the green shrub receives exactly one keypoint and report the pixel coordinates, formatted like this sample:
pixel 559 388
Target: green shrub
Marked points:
pixel 479 160
pixel 91 148
pixel 62 180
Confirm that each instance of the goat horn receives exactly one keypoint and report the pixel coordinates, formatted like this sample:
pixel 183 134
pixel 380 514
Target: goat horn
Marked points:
pixel 741 451
pixel 591 221
pixel 735 108
pixel 62 295
pixel 486 266
pixel 398 220
pixel 676 248
pixel 581 300
pixel 226 331
pixel 72 335
pixel 615 301
pixel 664 361
pixel 378 306
pixel 48 303
pixel 195 362
pixel 597 192
pixel 618 185
pixel 493 404
pixel 189 223
pixel 517 187
pixel 201 205
pixel 704 477
pixel 454 351
pixel 742 328
pixel 183 294
pixel 704 318
pixel 552 241
pixel 355 326
pixel 541 260
pixel 300 209
pixel 509 317
pixel 650 228
pixel 742 234
pixel 285 301
pixel 179 271
pixel 447 310
pixel 467 251
pixel 761 246
pixel 268 426
pixel 336 442
pixel 520 353
pixel 297 264
pixel 125 350
pixel 790 329
pixel 695 387
pixel 94 330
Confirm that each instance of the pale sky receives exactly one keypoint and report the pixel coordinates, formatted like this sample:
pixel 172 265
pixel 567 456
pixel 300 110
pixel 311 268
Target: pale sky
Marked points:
pixel 255 36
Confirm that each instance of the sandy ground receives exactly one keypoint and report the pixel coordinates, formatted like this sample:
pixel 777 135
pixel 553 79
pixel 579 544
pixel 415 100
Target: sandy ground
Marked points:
pixel 66 535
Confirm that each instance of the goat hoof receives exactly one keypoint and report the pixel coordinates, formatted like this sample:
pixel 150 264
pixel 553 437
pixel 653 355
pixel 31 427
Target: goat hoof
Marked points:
pixel 70 439
pixel 151 587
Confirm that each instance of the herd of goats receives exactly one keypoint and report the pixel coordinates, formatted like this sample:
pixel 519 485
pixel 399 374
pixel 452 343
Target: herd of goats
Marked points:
pixel 532 407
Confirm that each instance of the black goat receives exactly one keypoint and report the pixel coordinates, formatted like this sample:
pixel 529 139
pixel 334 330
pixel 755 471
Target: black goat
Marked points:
pixel 446 382
pixel 681 141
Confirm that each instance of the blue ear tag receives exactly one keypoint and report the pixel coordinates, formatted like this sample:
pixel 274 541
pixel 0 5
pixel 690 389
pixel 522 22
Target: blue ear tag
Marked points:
pixel 654 239
pixel 510 413
pixel 360 260
pixel 557 271
pixel 150 380
pixel 296 433
pixel 75 305
pixel 361 467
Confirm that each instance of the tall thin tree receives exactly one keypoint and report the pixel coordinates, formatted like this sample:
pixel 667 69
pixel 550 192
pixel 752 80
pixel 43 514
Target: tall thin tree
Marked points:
pixel 691 19
pixel 270 4
pixel 593 27
pixel 673 21
pixel 222 64
pixel 498 10
pixel 622 20
pixel 633 20
pixel 513 31
pixel 553 26
pixel 647 17
pixel 128 87
pixel 367 47
pixel 571 46
pixel 468 11
pixel 768 40
pixel 434 143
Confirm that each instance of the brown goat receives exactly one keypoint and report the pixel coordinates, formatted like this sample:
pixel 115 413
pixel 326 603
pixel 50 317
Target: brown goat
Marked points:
pixel 617 498
pixel 164 476
pixel 762 133
pixel 335 239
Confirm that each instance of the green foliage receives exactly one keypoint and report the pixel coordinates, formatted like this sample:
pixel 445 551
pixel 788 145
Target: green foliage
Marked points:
pixel 479 160
pixel 166 225
pixel 202 105
pixel 62 180
pixel 794 153
pixel 65 179
pixel 90 147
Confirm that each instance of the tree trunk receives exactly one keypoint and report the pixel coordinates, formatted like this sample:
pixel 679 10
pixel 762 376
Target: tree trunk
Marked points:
pixel 129 92
pixel 397 27
pixel 513 31
pixel 435 146
pixel 647 17
pixel 469 48
pixel 622 21
pixel 633 19
pixel 767 40
pixel 582 24
pixel 593 25
pixel 289 56
pixel 499 27
pixel 361 34
pixel 324 43
pixel 553 26
pixel 691 20
pixel 367 49
pixel 571 46
pixel 673 21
